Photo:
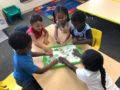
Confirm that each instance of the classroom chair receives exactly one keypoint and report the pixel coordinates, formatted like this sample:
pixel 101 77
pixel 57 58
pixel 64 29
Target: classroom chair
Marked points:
pixel 11 12
pixel 9 84
pixel 97 36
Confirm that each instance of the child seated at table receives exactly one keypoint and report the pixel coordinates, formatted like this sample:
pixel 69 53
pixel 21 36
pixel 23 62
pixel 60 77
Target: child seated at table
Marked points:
pixel 63 25
pixel 23 61
pixel 37 30
pixel 81 31
pixel 93 74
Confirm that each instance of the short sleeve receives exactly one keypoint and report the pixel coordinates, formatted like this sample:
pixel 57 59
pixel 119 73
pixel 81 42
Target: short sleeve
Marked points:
pixel 29 66
pixel 71 25
pixel 81 75
pixel 89 34
pixel 72 32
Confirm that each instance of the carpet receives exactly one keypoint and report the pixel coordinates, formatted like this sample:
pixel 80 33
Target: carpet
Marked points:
pixel 47 9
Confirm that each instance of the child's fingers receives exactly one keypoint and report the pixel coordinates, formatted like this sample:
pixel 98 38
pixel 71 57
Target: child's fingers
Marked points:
pixel 55 61
pixel 58 42
pixel 61 59
pixel 49 52
pixel 62 43
pixel 74 51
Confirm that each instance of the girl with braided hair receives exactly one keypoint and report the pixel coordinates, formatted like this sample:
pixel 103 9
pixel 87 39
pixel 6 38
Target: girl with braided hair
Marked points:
pixel 93 74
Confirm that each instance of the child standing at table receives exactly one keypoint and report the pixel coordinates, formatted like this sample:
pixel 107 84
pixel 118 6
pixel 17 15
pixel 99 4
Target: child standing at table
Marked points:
pixel 37 30
pixel 81 31
pixel 93 74
pixel 23 61
pixel 62 23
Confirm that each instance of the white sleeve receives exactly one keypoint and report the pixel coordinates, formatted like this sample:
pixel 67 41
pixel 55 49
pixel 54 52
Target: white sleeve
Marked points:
pixel 71 25
pixel 81 75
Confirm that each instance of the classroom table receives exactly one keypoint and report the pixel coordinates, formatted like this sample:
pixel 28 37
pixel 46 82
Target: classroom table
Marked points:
pixel 63 78
pixel 105 9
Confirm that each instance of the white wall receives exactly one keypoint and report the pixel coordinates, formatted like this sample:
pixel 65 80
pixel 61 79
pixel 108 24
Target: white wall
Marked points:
pixel 25 7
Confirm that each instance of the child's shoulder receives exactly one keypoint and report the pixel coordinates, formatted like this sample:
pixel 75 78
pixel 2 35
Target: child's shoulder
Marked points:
pixel 30 29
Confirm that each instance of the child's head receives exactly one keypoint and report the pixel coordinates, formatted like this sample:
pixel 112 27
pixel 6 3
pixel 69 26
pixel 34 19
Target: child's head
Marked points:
pixel 78 19
pixel 61 14
pixel 20 41
pixel 36 22
pixel 93 61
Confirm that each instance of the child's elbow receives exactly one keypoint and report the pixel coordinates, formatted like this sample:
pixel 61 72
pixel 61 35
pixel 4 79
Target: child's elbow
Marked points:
pixel 40 71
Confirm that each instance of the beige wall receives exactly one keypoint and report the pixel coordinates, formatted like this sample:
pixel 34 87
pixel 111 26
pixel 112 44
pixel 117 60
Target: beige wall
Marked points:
pixel 25 7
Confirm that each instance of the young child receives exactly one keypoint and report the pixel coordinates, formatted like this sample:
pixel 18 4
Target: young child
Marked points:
pixel 37 30
pixel 93 74
pixel 63 24
pixel 81 31
pixel 23 62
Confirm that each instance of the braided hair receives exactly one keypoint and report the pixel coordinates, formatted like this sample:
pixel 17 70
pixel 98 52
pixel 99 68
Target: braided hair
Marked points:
pixel 93 61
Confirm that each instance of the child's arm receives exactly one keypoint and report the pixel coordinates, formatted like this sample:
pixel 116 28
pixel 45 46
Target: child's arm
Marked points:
pixel 67 63
pixel 56 35
pixel 36 42
pixel 46 68
pixel 46 37
pixel 84 41
pixel 36 54
pixel 76 53
pixel 68 36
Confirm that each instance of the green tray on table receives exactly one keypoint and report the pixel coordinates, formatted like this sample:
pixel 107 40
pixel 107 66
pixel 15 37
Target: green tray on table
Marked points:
pixel 47 61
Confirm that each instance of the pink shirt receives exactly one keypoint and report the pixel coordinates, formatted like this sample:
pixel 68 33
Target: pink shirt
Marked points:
pixel 36 33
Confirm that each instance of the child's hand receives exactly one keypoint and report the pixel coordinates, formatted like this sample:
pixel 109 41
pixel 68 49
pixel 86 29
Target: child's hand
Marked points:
pixel 62 59
pixel 58 41
pixel 49 52
pixel 62 43
pixel 76 53
pixel 55 61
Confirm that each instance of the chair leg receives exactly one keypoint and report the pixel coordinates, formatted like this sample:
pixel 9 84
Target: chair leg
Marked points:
pixel 21 16
pixel 10 20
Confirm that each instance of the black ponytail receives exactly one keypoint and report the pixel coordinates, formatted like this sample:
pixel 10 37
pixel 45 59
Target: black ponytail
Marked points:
pixel 103 76
pixel 54 18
